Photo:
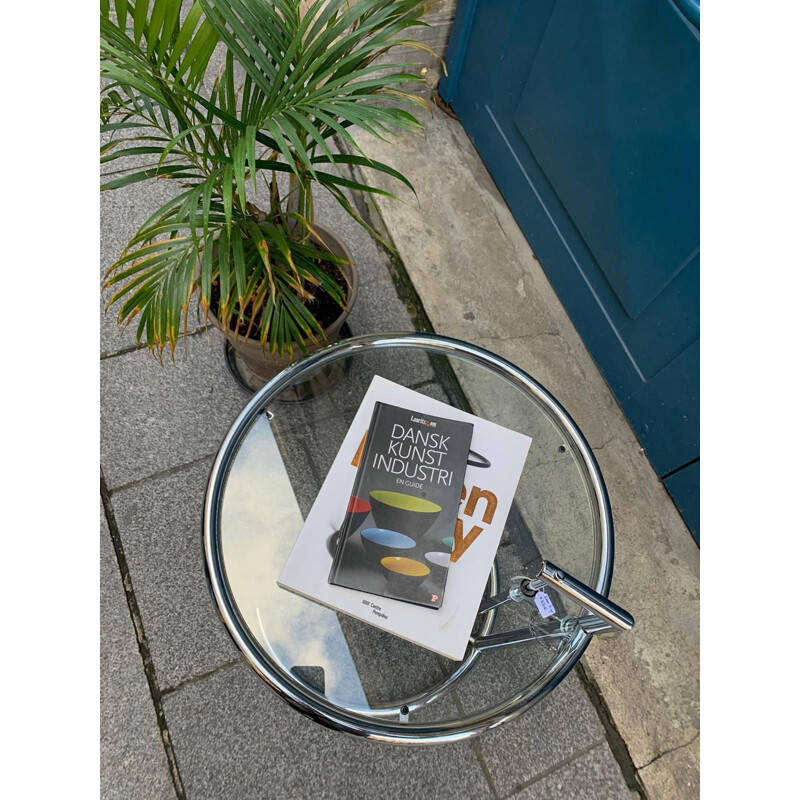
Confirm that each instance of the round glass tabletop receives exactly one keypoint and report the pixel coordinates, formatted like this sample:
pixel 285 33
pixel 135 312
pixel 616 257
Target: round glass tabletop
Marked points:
pixel 352 676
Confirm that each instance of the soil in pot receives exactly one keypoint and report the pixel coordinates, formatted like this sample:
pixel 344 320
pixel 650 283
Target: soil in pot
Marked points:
pixel 324 308
pixel 254 365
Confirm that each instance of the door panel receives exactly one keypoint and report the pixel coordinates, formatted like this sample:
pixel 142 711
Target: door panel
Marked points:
pixel 587 116
pixel 684 486
pixel 663 412
pixel 610 116
pixel 669 325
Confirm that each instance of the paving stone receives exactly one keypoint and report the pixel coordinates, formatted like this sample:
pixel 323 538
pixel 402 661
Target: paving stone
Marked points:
pixel 558 727
pixel 370 260
pixel 160 523
pixel 379 309
pixel 656 578
pixel 376 655
pixel 132 759
pixel 407 367
pixel 307 458
pixel 234 737
pixel 122 212
pixel 291 415
pixel 155 417
pixel 675 775
pixel 593 776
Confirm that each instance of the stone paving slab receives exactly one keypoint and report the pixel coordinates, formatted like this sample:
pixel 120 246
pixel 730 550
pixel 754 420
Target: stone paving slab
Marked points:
pixel 155 417
pixel 376 655
pixel 122 212
pixel 480 281
pixel 412 369
pixel 132 759
pixel 656 571
pixel 378 308
pixel 675 774
pixel 161 525
pixel 234 737
pixel 560 726
pixel 592 776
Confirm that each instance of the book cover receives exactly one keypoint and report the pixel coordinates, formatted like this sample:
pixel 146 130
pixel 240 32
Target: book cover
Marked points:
pixel 497 456
pixel 410 473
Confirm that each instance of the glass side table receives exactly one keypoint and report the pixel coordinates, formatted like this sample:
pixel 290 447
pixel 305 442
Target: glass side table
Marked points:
pixel 356 678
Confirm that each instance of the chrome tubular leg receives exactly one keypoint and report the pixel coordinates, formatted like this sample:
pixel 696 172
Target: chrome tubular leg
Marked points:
pixel 610 617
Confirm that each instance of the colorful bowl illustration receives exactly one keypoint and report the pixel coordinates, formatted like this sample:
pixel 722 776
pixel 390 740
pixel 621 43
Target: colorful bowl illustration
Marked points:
pixel 406 513
pixel 404 574
pixel 333 542
pixel 379 543
pixel 358 510
pixel 439 563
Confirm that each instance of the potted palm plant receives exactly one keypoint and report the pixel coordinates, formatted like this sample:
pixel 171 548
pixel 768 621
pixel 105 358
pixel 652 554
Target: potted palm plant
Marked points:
pixel 294 78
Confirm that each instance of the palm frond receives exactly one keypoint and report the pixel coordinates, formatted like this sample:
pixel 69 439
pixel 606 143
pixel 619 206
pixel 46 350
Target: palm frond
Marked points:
pixel 305 77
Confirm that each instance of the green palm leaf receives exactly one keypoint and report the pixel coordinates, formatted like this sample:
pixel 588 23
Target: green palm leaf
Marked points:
pixel 307 76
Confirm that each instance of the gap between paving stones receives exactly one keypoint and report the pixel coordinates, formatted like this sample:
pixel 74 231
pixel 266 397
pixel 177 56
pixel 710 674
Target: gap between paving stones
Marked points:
pixel 554 768
pixel 164 473
pixel 484 768
pixel 141 640
pixel 615 741
pixel 143 346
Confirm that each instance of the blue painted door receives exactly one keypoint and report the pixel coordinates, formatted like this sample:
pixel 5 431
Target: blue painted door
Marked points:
pixel 587 115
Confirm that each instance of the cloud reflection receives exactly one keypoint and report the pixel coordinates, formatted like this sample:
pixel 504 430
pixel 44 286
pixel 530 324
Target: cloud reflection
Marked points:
pixel 259 523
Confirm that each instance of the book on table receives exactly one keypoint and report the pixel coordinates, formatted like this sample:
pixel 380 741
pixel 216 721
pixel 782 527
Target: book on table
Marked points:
pixel 410 473
pixel 408 520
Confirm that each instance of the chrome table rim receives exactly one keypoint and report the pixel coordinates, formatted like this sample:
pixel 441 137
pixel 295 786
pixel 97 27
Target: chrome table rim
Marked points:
pixel 292 689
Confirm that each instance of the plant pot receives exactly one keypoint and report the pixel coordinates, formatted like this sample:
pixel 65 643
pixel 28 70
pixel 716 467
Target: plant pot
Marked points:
pixel 258 362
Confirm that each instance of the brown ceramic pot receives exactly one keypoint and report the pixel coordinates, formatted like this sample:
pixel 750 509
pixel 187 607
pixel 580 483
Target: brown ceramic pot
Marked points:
pixel 261 363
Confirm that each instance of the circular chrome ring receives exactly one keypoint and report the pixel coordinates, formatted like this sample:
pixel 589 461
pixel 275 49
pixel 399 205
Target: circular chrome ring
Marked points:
pixel 287 686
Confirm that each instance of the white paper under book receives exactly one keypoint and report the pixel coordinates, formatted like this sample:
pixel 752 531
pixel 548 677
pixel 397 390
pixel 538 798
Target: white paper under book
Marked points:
pixel 497 458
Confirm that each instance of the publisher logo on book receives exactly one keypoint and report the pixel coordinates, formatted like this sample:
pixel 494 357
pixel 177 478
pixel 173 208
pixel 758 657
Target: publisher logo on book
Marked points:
pixel 422 421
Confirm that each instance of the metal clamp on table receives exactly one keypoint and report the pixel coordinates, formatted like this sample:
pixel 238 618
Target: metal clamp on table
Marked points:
pixel 604 615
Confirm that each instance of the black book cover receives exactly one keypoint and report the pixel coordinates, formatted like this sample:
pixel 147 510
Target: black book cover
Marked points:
pixel 398 533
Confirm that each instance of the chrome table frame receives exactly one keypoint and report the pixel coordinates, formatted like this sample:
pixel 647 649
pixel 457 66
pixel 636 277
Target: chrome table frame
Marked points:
pixel 389 723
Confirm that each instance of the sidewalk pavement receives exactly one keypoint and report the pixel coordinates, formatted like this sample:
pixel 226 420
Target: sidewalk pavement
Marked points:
pixel 479 281
pixel 182 715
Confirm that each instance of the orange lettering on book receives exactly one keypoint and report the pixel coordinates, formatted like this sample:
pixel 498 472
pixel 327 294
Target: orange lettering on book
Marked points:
pixel 460 544
pixel 357 457
pixel 491 504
